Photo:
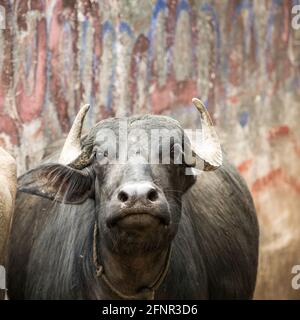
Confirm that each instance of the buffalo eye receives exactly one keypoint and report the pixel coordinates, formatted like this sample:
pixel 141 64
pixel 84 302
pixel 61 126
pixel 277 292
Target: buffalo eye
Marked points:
pixel 101 156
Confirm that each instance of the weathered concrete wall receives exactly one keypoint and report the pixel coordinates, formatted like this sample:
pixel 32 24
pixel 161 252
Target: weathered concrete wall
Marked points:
pixel 127 57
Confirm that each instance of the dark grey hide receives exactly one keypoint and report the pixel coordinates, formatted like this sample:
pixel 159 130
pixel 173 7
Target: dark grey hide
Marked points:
pixel 209 220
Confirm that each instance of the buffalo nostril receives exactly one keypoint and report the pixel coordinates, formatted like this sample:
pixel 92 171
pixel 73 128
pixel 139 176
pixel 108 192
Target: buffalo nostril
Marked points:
pixel 152 195
pixel 123 196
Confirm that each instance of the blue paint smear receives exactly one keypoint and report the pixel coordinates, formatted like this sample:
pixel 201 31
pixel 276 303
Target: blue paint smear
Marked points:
pixel 162 6
pixel 125 27
pixel 159 7
pixel 244 5
pixel 270 22
pixel 108 28
pixel 243 118
pixel 210 10
pixel 182 6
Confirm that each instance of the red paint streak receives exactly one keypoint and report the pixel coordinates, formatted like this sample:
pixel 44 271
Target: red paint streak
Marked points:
pixel 245 166
pixel 293 182
pixel 162 98
pixel 274 177
pixel 286 12
pixel 8 126
pixel 58 79
pixel 6 74
pixel 233 99
pixel 172 94
pixel 171 22
pixel 29 106
pixel 138 54
pixel 55 26
pixel 279 131
pixel 284 131
pixel 238 96
pixel 266 180
pixel 2 143
pixel 297 149
pixel 2 98
pixel 296 146
pixel 231 5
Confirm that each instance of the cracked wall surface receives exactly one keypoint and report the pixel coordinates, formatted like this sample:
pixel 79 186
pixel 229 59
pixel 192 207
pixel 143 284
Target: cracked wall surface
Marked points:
pixel 125 57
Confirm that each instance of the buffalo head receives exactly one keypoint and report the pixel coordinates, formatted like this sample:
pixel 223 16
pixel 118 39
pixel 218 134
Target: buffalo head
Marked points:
pixel 136 169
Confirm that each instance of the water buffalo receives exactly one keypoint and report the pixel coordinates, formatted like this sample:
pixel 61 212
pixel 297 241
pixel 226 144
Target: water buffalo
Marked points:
pixel 8 182
pixel 93 226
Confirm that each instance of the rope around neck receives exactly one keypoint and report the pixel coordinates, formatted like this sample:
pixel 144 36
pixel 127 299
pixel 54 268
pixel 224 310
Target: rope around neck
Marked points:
pixel 146 293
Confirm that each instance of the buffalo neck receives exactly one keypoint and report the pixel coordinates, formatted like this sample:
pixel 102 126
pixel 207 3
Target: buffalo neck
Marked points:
pixel 130 274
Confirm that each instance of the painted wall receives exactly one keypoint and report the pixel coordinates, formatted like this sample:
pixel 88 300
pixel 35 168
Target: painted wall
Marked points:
pixel 128 56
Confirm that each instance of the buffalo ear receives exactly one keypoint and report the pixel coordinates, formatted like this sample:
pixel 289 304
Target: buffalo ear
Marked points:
pixel 58 182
